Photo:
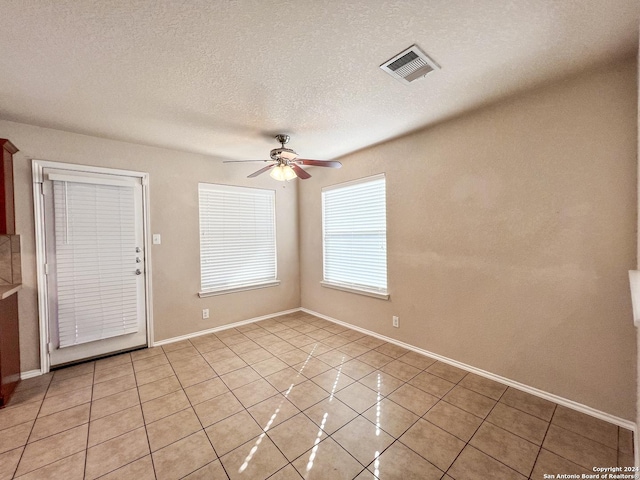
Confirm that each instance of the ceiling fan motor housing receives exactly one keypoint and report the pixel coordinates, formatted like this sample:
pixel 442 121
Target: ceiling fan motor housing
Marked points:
pixel 279 154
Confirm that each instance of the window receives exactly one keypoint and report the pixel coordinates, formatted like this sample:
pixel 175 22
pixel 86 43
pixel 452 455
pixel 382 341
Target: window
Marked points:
pixel 237 238
pixel 355 236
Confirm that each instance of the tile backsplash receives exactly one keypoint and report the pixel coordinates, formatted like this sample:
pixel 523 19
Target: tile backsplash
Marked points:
pixel 10 261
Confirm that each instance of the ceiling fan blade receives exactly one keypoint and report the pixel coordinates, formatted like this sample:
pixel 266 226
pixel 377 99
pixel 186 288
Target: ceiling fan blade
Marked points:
pixel 240 161
pixel 302 175
pixel 320 163
pixel 262 170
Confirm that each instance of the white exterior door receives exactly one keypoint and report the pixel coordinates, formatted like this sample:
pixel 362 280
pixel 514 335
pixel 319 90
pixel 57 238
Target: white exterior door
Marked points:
pixel 95 263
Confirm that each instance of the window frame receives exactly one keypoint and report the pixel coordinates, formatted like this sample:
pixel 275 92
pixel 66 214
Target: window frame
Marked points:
pixel 207 292
pixel 372 291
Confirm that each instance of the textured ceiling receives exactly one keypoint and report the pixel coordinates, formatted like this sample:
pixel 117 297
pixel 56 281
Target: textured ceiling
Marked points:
pixel 220 77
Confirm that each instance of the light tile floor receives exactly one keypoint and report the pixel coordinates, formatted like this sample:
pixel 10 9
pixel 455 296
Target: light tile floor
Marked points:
pixel 290 397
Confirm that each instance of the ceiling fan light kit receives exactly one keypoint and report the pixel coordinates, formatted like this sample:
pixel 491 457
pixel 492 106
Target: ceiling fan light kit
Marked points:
pixel 287 164
pixel 282 173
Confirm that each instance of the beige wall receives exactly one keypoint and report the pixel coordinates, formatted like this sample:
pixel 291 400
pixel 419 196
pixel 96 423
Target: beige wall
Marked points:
pixel 510 233
pixel 174 178
pixel 637 450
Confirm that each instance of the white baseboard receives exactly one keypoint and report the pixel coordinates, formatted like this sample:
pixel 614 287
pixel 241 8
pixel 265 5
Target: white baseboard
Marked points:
pixel 222 327
pixel 491 376
pixel 30 374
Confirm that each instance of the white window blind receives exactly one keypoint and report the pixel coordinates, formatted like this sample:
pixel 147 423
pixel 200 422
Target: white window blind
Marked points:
pixel 355 235
pixel 95 244
pixel 237 237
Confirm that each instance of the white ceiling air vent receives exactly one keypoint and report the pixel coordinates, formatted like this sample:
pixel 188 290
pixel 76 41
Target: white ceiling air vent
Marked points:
pixel 409 65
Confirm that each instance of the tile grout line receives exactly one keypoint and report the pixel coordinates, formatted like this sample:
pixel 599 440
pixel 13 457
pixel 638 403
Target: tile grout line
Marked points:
pixel 365 469
pixel 586 438
pixel 86 452
pixel 52 435
pixel 468 443
pixel 122 434
pixel 548 422
pixel 15 470
pixel 440 399
pixel 203 429
pixel 247 409
pixel 266 432
pixel 299 374
pixel 119 435
pixel 533 465
pixel 144 422
pixel 543 439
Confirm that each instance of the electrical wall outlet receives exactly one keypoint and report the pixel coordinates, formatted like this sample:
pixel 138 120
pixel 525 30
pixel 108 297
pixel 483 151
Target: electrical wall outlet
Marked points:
pixel 205 313
pixel 396 321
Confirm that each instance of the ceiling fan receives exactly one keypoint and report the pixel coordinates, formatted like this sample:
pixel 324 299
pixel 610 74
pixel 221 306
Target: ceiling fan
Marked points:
pixel 286 164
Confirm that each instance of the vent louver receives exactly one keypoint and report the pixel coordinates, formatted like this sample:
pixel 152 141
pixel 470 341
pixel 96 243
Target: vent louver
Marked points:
pixel 409 65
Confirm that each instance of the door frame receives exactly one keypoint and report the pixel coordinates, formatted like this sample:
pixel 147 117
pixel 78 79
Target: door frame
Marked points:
pixel 38 206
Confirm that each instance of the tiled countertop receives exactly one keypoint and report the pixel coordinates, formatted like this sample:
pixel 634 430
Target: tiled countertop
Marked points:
pixel 8 290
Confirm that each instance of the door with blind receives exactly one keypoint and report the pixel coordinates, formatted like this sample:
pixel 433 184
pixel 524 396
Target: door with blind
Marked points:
pixel 95 262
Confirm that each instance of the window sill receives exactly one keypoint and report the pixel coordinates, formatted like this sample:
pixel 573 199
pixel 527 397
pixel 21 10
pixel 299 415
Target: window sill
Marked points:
pixel 345 288
pixel 212 293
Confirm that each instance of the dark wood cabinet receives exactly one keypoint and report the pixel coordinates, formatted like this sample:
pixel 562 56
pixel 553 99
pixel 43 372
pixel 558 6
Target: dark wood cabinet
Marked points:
pixel 10 277
pixel 7 212
pixel 9 347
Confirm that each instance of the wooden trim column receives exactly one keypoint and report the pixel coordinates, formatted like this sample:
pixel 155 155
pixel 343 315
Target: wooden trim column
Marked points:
pixel 7 210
